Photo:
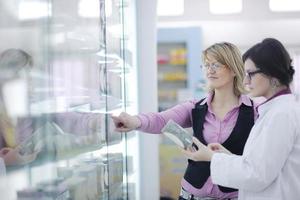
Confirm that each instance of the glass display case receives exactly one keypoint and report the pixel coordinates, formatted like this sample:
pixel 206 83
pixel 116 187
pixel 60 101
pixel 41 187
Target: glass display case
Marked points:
pixel 66 66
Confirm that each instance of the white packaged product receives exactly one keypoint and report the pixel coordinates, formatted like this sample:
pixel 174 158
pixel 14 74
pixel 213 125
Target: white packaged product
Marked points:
pixel 90 173
pixel 77 187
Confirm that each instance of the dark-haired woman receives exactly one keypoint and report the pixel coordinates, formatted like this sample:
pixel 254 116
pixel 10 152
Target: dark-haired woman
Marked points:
pixel 270 166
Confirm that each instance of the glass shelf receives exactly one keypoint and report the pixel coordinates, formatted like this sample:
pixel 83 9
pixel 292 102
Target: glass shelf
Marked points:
pixel 82 71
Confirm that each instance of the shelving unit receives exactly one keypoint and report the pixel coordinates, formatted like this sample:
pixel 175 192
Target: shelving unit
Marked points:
pixel 178 61
pixel 84 71
pixel 172 73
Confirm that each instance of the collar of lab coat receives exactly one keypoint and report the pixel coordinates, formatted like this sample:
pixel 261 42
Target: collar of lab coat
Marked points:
pixel 278 101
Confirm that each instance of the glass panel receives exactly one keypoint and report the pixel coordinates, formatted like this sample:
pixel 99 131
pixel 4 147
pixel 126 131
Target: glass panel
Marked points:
pixel 65 67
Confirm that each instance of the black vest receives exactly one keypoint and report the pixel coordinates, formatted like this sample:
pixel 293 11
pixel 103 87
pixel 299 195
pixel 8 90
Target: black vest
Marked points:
pixel 197 173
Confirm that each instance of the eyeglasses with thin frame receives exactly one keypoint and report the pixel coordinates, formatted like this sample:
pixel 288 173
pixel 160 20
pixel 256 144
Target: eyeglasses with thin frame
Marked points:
pixel 214 66
pixel 249 75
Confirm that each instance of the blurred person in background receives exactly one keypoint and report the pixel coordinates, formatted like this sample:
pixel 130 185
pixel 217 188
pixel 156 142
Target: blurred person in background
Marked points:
pixel 225 116
pixel 12 63
pixel 269 166
pixel 16 132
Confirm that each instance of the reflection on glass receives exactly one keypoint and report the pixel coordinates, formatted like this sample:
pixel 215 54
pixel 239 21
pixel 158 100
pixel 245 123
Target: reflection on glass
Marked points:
pixel 55 116
pixel 34 9
pixel 90 8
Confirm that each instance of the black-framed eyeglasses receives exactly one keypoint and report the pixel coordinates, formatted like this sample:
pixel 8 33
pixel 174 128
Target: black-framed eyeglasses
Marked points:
pixel 214 66
pixel 249 75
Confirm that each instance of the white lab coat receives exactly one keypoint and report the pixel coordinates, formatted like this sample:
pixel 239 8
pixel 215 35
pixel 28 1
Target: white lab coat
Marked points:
pixel 269 168
pixel 2 167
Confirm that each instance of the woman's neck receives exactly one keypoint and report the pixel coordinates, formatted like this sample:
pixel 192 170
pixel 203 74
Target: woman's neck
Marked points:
pixel 274 91
pixel 223 97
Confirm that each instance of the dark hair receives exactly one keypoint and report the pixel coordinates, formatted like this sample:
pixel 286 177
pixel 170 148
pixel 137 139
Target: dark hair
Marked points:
pixel 272 59
pixel 14 59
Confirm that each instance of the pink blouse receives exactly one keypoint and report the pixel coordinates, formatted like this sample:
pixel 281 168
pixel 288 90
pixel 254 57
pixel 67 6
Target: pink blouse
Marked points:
pixel 214 130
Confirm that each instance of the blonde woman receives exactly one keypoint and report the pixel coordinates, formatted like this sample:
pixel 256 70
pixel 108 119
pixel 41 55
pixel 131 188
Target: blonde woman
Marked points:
pixel 225 116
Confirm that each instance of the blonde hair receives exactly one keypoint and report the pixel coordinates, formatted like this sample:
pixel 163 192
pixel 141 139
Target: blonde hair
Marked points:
pixel 229 55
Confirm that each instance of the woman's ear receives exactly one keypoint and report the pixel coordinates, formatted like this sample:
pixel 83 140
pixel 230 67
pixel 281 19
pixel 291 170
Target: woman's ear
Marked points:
pixel 274 82
pixel 233 74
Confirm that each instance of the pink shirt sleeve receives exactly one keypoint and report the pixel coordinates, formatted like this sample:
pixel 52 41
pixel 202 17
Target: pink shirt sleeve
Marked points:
pixel 181 114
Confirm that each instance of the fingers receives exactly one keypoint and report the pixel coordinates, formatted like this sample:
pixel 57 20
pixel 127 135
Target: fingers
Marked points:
pixel 214 146
pixel 125 122
pixel 5 150
pixel 187 153
pixel 197 142
pixel 117 121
